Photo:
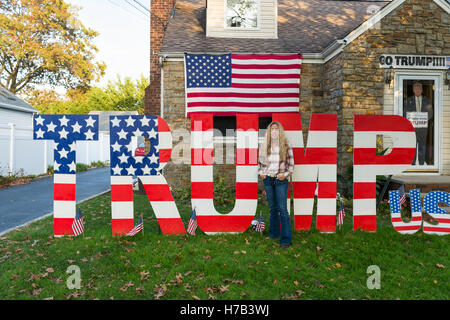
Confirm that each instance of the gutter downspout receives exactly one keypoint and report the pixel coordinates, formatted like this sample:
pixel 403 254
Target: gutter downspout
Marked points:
pixel 161 65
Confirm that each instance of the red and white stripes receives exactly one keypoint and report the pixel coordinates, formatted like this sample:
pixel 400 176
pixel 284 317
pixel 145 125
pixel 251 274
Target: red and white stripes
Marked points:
pixel 64 203
pixel 430 203
pixel 239 219
pixel 443 226
pixel 367 164
pixel 122 204
pixel 317 165
pixel 164 143
pixel 157 189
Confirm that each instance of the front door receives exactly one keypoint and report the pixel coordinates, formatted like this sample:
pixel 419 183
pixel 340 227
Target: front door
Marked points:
pixel 418 98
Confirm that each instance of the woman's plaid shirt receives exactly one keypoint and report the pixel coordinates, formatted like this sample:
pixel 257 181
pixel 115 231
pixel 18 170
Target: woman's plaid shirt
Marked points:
pixel 285 167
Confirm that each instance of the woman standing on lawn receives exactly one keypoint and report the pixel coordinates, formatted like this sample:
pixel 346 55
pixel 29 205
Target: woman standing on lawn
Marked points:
pixel 276 163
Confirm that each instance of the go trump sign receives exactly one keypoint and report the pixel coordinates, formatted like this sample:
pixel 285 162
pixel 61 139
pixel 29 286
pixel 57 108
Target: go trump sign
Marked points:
pixel 315 167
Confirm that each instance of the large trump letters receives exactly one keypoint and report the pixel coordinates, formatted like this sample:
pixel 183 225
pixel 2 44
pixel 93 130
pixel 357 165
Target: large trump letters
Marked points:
pixel 315 169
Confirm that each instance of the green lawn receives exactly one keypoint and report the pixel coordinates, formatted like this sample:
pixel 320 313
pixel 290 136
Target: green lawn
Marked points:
pixel 33 264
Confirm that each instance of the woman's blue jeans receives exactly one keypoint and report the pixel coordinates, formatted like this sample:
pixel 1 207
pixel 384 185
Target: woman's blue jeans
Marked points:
pixel 276 191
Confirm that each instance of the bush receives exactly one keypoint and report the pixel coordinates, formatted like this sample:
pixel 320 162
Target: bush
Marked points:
pixel 98 164
pixel 224 194
pixel 82 167
pixel 17 177
pixel 182 193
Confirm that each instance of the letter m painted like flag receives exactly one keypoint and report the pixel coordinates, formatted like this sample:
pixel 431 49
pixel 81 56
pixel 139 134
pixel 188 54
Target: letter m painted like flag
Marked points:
pixel 315 167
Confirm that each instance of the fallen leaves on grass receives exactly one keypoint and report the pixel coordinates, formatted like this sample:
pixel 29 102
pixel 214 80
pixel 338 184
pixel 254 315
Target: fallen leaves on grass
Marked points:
pixel 34 277
pixel 160 291
pixel 179 278
pixel 294 296
pixel 139 289
pixel 36 292
pixel 224 289
pixel 440 266
pixel 318 284
pixel 144 275
pixel 75 294
pixel 226 280
pixel 126 286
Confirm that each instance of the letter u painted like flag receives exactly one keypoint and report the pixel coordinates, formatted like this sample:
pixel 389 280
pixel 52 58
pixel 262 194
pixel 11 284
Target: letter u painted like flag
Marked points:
pixel 367 164
pixel 209 219
pixel 416 212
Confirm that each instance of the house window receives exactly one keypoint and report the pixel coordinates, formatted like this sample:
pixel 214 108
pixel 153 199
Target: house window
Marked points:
pixel 226 126
pixel 242 14
pixel 225 137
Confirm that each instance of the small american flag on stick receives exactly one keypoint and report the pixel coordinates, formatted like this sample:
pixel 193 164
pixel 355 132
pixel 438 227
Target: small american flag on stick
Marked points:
pixel 402 194
pixel 260 225
pixel 78 223
pixel 137 228
pixel 192 223
pixel 341 215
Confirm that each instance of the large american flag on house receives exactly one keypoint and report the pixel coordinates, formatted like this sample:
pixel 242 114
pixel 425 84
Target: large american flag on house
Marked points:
pixel 242 83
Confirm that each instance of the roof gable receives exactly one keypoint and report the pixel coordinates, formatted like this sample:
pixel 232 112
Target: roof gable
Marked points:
pixel 316 28
pixel 377 17
pixel 10 101
pixel 306 26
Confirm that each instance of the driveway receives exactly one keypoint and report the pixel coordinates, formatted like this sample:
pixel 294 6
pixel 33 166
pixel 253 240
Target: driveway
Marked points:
pixel 25 203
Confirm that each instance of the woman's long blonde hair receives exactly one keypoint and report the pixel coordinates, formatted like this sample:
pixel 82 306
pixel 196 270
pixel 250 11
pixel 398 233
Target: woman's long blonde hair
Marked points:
pixel 283 142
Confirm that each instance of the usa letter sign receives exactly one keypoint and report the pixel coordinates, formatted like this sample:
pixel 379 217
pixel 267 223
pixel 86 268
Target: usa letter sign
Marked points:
pixel 315 167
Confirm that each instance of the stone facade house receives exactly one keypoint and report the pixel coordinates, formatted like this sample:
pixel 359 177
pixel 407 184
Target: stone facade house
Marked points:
pixel 359 57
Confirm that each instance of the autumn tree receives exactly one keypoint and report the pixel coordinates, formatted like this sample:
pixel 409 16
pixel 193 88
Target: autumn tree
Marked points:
pixel 43 42
pixel 119 95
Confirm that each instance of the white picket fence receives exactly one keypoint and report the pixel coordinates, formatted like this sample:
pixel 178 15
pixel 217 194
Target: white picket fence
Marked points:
pixel 18 151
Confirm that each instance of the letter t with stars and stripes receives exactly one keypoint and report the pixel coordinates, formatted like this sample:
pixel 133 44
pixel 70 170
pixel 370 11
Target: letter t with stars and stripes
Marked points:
pixel 65 130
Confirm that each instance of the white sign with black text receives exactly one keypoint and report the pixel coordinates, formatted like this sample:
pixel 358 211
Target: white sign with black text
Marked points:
pixel 418 119
pixel 414 62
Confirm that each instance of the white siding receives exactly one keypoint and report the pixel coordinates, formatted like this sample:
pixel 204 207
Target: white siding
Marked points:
pixel 19 118
pixel 446 130
pixel 388 99
pixel 388 108
pixel 215 21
